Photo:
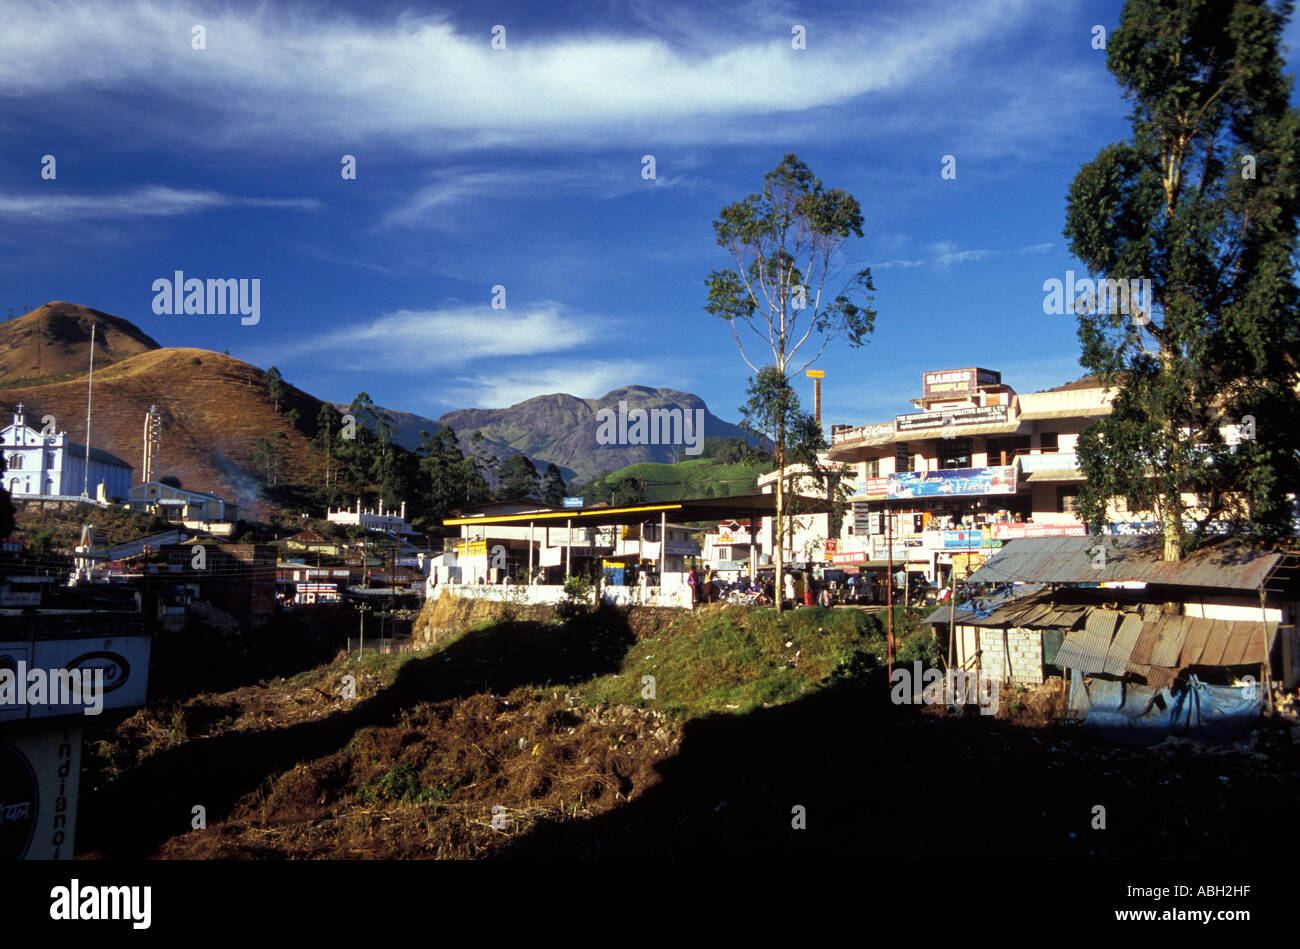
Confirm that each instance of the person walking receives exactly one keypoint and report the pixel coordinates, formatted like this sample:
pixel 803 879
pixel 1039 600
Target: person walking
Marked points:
pixel 789 589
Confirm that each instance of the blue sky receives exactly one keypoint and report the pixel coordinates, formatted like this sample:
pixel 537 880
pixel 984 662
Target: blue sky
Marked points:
pixel 521 167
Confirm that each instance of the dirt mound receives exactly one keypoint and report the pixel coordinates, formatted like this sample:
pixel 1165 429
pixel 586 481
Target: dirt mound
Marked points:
pixel 448 615
pixel 451 779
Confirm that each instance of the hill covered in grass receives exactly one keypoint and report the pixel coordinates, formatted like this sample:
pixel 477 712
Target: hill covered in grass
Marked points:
pixel 696 478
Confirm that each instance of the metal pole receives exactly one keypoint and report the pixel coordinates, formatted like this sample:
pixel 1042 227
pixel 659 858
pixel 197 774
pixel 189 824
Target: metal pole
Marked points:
pixel 568 548
pixel 90 382
pixel 663 543
pixel 889 588
pixel 530 552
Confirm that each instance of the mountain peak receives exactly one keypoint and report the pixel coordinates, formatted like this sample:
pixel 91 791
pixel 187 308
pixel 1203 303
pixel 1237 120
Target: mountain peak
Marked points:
pixel 54 339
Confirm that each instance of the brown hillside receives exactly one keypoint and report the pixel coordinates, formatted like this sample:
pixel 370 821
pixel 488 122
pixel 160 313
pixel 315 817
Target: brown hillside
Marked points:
pixel 54 340
pixel 213 410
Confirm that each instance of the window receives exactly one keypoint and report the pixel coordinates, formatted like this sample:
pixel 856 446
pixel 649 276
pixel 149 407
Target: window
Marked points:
pixel 954 453
pixel 15 462
pixel 1048 441
pixel 873 468
pixel 1003 451
pixel 902 461
pixel 1067 499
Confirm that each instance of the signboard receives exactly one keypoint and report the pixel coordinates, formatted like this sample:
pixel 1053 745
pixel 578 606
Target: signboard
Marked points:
pixel 862 433
pixel 953 482
pixel 955 383
pixel 573 502
pixel 963 538
pixel 469 548
pixel 40 763
pixel 975 415
pixel 964 565
pixel 123 661
pixel 849 556
pixel 871 489
pixel 865 521
pixel 1020 530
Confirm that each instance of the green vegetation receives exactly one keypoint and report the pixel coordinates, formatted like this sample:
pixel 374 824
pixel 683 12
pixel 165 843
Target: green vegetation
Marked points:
pixel 1201 204
pixel 734 659
pixel 697 478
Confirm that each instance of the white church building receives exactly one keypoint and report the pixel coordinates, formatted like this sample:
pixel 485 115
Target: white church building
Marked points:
pixel 50 466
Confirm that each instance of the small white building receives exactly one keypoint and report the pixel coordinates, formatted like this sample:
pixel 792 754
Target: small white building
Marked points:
pixel 375 520
pixel 39 465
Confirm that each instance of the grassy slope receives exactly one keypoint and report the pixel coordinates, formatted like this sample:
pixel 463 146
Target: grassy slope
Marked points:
pixel 689 479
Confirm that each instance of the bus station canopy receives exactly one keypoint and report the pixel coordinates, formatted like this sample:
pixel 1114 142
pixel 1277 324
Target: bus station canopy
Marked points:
pixel 694 509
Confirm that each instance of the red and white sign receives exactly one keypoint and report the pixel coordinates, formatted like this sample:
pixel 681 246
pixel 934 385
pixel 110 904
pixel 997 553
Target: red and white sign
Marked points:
pixel 1021 530
pixel 849 556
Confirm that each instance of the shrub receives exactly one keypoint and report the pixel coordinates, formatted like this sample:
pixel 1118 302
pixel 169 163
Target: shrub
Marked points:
pixel 577 598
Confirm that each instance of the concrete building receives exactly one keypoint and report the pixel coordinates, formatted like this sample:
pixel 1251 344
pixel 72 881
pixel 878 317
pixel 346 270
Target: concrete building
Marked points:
pixel 46 465
pixel 374 520
pixel 977 465
pixel 181 505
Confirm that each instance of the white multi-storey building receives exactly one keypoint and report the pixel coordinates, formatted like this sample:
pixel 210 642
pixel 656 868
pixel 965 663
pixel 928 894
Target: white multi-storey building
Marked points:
pixel 40 465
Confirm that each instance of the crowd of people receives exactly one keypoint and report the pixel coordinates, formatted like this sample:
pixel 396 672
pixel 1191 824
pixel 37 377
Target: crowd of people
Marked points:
pixel 801 588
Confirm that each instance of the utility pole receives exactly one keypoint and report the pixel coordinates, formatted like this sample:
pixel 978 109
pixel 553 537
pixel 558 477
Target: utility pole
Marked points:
pixel 90 382
pixel 362 608
pixel 817 375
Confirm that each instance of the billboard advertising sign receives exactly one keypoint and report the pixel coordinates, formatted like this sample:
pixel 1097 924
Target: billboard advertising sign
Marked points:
pixel 955 383
pixel 1018 530
pixel 953 482
pixel 956 418
pixel 40 763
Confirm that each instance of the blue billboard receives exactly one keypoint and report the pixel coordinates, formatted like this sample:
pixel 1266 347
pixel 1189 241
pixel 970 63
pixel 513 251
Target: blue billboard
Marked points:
pixel 953 482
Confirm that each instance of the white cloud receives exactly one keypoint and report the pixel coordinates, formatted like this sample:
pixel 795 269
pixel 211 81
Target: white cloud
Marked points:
pixel 431 85
pixel 414 341
pixel 153 201
pixel 897 263
pixel 586 379
pixel 433 202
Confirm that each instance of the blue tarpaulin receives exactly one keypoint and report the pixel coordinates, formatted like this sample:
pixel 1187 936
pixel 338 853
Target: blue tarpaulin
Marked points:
pixel 1138 714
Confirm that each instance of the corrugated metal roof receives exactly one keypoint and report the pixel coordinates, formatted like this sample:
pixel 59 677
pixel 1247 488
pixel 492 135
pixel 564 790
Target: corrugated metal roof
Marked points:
pixel 1198 634
pixel 1086 650
pixel 1073 655
pixel 1231 565
pixel 1145 645
pixel 1172 634
pixel 1121 649
pixel 1215 644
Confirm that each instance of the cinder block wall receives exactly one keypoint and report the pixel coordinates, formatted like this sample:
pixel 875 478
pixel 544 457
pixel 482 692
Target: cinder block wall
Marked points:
pixel 1026 655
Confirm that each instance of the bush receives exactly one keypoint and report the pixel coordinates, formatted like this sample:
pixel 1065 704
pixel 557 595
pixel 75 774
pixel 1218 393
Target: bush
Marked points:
pixel 853 668
pixel 400 783
pixel 577 598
